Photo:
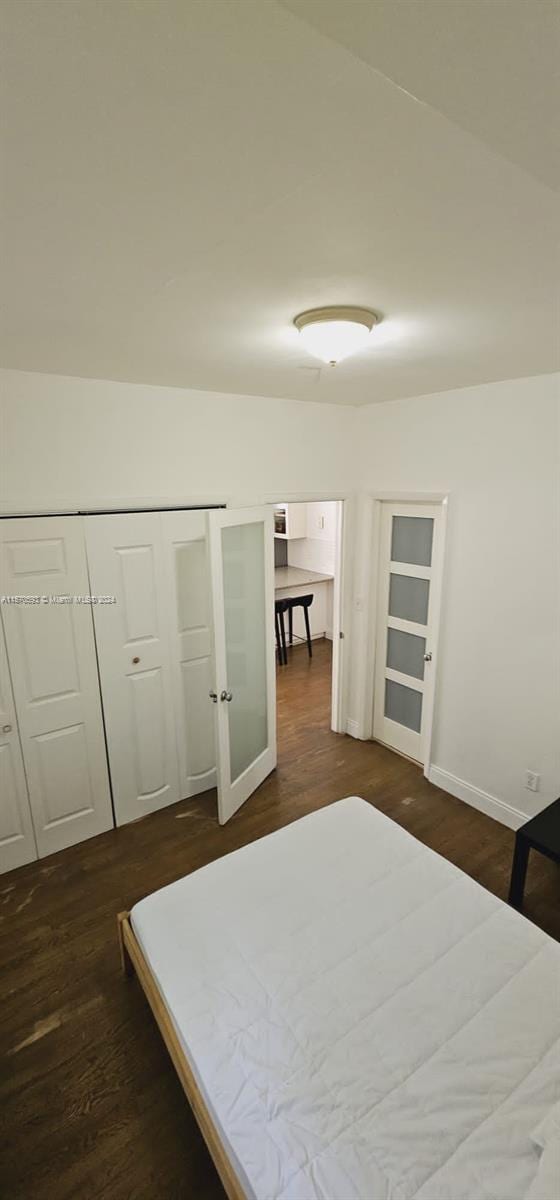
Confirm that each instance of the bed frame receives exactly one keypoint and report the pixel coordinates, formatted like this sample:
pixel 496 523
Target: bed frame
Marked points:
pixel 133 961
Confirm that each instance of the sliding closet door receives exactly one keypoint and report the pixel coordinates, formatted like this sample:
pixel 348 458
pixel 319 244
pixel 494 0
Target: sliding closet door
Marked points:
pixel 244 696
pixel 190 631
pixel 17 840
pixel 51 650
pixel 126 560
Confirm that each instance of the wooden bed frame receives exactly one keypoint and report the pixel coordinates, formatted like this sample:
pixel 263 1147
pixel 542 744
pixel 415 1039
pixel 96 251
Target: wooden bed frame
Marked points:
pixel 133 960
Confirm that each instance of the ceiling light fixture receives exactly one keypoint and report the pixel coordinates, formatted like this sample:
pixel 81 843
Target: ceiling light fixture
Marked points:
pixel 334 333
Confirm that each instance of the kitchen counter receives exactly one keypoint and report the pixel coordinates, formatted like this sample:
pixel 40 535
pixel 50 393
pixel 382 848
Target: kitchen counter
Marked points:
pixel 289 577
pixel 295 581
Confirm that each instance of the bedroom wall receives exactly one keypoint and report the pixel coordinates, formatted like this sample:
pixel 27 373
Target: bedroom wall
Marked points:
pixel 67 441
pixel 495 450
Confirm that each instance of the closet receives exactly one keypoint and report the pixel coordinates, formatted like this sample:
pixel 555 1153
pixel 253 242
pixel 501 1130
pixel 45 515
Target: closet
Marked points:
pixel 17 839
pixel 52 670
pixel 154 651
pixel 137 669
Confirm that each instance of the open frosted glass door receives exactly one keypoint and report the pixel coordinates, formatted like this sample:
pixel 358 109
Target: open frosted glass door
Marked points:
pixel 241 545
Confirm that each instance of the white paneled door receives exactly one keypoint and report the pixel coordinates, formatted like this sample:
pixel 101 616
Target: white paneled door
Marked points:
pixel 407 626
pixel 51 650
pixel 126 560
pixel 244 693
pixel 17 840
pixel 189 602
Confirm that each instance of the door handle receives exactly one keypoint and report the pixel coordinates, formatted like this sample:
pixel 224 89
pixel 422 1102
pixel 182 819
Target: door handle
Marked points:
pixel 226 695
pixel 214 697
pixel 428 656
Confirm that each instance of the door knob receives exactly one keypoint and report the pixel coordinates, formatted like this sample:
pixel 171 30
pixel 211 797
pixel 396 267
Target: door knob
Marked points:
pixel 6 729
pixel 428 656
pixel 214 697
pixel 226 696
pixel 135 659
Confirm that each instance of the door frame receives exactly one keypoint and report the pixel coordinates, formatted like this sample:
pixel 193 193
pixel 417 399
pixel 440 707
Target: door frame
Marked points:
pixel 372 532
pixel 342 599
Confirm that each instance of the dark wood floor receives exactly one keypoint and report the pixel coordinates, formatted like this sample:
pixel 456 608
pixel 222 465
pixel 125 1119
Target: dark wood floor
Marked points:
pixel 92 1105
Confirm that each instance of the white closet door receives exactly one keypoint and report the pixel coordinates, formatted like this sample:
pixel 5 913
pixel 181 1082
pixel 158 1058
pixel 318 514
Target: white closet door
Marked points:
pixel 17 840
pixel 51 650
pixel 126 560
pixel 190 626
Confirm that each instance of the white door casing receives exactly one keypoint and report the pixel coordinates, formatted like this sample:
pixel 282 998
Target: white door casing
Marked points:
pixel 242 583
pixel 51 652
pixel 126 560
pixel 408 606
pixel 17 839
pixel 185 545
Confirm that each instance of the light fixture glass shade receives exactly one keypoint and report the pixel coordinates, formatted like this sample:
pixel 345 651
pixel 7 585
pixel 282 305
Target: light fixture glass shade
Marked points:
pixel 332 334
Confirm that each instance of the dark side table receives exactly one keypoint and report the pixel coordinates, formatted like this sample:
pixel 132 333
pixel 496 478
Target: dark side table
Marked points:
pixel 541 833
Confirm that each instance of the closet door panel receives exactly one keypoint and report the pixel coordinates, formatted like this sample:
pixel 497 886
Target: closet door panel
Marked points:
pixel 17 840
pixel 51 650
pixel 126 561
pixel 190 622
pixel 200 754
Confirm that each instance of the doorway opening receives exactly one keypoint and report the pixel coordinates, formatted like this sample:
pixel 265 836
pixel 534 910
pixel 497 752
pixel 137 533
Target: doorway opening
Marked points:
pixel 307 591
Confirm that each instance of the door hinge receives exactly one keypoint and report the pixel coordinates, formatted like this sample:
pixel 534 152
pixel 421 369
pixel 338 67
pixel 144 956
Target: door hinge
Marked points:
pixel 341 635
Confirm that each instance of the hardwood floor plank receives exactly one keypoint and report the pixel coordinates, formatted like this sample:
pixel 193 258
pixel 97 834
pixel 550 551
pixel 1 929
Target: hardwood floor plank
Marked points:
pixel 91 1101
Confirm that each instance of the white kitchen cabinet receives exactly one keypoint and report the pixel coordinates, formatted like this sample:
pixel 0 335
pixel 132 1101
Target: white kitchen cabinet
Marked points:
pixel 290 521
pixel 53 667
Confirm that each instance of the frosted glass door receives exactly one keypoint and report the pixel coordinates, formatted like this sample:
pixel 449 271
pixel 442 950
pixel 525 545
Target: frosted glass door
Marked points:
pixel 244 697
pixel 405 635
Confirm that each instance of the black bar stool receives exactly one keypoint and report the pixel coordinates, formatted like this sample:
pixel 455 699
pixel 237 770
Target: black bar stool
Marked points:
pixel 304 602
pixel 280 607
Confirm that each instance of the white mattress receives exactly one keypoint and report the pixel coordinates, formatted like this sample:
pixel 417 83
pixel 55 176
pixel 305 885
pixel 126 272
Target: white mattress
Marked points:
pixel 365 1021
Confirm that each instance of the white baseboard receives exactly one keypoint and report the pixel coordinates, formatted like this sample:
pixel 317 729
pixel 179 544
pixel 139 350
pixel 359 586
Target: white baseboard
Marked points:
pixel 353 728
pixel 483 801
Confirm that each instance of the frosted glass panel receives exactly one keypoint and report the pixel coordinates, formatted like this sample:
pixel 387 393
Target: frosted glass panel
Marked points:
pixel 405 652
pixel 411 540
pixel 403 705
pixel 246 633
pixel 408 598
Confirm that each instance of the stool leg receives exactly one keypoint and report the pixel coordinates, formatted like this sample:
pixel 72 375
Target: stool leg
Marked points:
pixel 283 636
pixel 278 642
pixel 291 624
pixel 518 871
pixel 308 632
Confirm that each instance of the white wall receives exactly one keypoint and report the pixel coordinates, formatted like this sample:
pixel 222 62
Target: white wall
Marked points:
pixel 495 450
pixel 67 441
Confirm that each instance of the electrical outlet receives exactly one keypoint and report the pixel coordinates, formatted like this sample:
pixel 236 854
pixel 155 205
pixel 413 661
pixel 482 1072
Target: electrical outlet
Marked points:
pixel 532 781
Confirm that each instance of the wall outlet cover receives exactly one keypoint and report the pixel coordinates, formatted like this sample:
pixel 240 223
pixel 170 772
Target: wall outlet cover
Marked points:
pixel 532 781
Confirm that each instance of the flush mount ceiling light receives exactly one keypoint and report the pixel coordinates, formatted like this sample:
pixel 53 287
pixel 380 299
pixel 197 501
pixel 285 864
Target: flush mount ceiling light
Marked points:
pixel 334 333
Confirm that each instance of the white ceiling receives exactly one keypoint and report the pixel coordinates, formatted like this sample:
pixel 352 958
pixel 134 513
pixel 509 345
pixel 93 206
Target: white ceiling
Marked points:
pixel 184 176
pixel 493 66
